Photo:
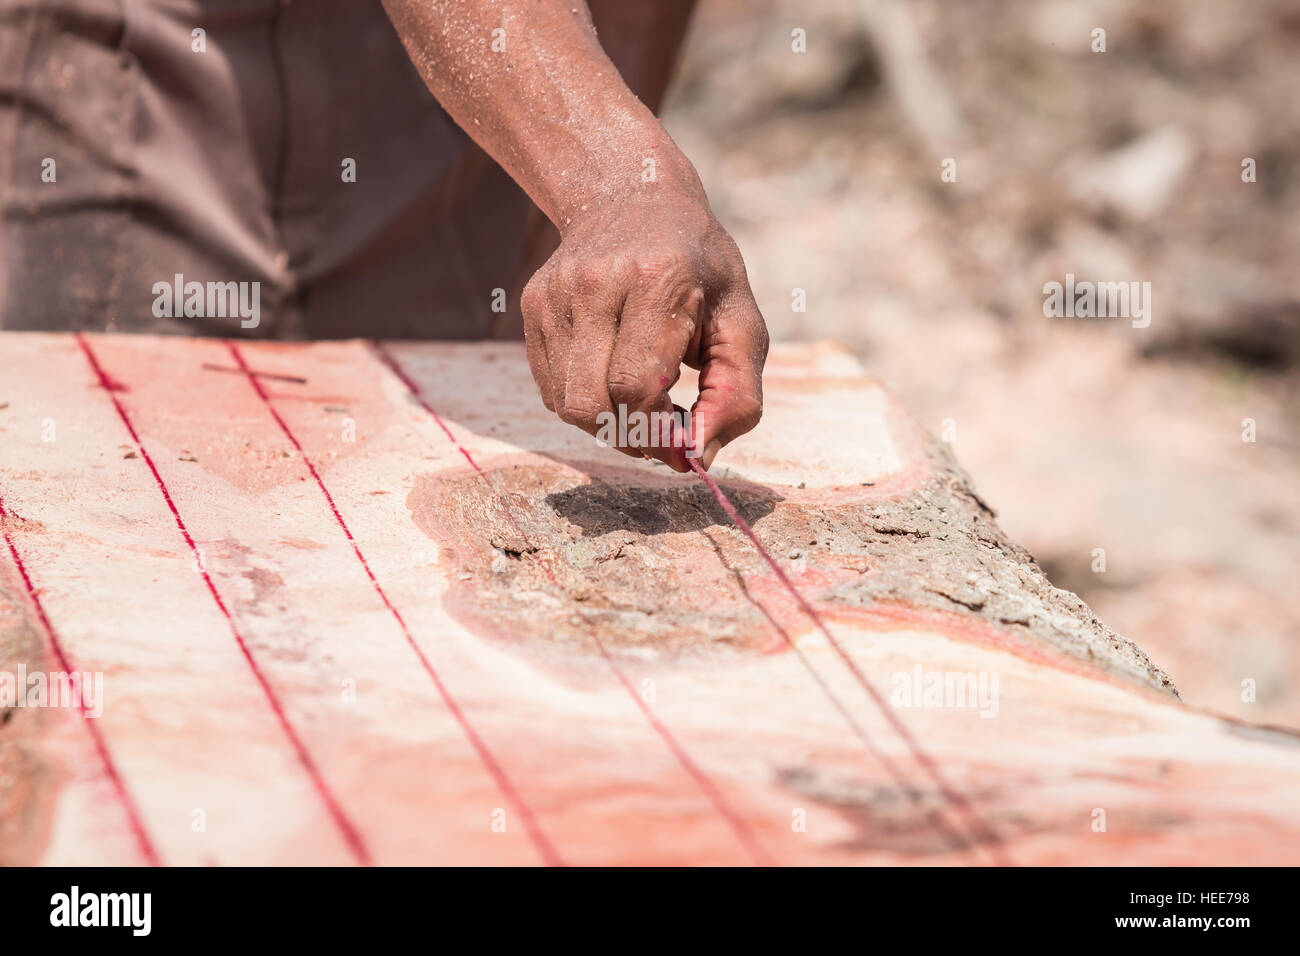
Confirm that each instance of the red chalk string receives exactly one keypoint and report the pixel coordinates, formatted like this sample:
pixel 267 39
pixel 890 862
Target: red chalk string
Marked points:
pixel 957 800
pixel 136 822
pixel 350 833
pixel 744 833
pixel 933 816
pixel 490 763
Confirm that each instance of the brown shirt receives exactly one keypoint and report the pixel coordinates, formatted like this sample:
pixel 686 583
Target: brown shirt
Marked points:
pixel 134 150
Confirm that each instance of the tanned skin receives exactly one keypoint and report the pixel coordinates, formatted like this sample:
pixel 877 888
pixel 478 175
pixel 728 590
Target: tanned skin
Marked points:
pixel 644 278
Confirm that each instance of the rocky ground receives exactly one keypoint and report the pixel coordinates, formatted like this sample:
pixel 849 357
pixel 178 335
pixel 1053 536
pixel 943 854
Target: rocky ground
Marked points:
pixel 1115 454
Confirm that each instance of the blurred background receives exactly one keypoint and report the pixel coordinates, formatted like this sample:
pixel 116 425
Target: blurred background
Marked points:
pixel 1122 165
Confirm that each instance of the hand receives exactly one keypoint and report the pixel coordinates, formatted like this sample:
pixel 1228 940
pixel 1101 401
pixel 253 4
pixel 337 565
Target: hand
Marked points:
pixel 636 288
pixel 644 278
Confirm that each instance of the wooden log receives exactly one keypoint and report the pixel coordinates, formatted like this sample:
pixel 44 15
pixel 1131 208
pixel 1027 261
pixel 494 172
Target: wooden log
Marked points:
pixel 347 614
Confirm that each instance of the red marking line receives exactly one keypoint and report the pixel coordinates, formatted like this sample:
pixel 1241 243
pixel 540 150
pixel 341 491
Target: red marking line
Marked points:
pixel 956 799
pixel 742 829
pixel 345 825
pixel 294 379
pixel 934 817
pixel 92 724
pixel 539 839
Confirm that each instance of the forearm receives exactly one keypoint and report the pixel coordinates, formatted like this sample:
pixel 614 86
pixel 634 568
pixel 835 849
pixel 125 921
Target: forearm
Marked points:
pixel 547 103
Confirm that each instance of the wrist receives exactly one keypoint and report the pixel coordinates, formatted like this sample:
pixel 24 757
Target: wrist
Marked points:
pixel 640 165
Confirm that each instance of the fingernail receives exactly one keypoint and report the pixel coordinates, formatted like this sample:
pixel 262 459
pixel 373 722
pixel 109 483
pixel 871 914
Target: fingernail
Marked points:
pixel 710 452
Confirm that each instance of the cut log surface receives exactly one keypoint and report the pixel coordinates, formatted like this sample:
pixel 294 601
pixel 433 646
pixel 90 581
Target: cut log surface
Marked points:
pixel 374 604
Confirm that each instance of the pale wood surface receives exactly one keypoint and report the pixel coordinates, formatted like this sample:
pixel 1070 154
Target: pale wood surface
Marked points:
pixel 639 754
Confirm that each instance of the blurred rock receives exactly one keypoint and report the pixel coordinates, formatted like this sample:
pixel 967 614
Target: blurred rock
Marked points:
pixel 1138 179
pixel 1231 309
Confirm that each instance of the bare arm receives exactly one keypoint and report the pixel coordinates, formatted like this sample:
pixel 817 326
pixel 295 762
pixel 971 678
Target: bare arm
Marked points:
pixel 644 278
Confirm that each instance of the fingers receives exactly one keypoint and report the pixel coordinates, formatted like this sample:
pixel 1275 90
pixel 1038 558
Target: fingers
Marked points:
pixel 733 350
pixel 569 326
pixel 556 337
pixel 588 343
pixel 654 335
pixel 606 346
pixel 533 306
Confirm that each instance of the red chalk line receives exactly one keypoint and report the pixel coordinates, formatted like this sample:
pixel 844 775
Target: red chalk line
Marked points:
pixel 350 833
pixel 951 795
pixel 134 818
pixel 933 816
pixel 539 839
pixel 744 833
pixel 954 797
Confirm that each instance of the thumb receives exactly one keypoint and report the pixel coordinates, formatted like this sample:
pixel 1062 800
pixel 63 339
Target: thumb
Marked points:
pixel 733 350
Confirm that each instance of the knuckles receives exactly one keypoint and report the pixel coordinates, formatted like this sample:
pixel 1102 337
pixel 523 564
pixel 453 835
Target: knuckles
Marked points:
pixel 602 277
pixel 579 411
pixel 664 269
pixel 532 302
pixel 628 387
